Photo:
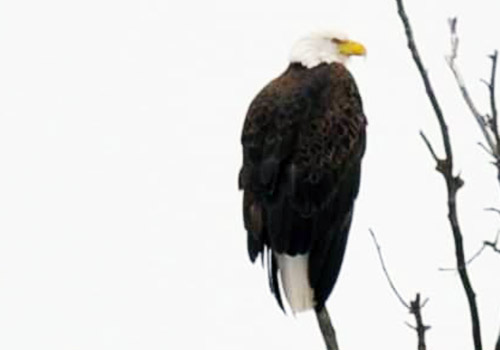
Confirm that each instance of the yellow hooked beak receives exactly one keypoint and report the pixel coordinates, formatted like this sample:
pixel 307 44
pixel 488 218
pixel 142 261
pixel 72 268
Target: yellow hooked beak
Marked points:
pixel 350 48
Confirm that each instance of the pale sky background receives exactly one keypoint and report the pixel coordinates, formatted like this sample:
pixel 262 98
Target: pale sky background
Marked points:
pixel 120 219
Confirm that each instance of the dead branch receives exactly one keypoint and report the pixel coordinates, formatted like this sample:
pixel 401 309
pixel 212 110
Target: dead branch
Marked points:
pixel 493 209
pixel 487 123
pixel 491 88
pixel 493 244
pixel 468 262
pixel 427 84
pixel 327 330
pixel 391 284
pixel 453 183
pixel 482 121
pixel 415 307
pixel 429 146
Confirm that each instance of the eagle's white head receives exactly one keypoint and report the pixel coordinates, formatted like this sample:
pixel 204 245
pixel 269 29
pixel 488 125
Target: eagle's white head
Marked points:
pixel 324 47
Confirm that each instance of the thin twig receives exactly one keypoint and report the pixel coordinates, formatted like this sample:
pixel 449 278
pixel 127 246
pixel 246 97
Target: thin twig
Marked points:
pixel 493 244
pixel 487 124
pixel 429 146
pixel 494 114
pixel 391 284
pixel 486 149
pixel 481 120
pixel 493 209
pixel 327 330
pixel 414 307
pixel 453 183
pixel 491 88
pixel 468 262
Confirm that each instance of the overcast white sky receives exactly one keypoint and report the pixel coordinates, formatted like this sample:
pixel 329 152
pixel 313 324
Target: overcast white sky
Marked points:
pixel 120 220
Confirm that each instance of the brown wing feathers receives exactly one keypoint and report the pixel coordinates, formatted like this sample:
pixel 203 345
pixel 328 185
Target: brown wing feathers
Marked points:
pixel 303 139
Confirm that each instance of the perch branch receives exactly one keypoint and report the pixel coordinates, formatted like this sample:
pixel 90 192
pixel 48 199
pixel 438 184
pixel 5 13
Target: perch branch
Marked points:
pixel 327 330
pixel 453 183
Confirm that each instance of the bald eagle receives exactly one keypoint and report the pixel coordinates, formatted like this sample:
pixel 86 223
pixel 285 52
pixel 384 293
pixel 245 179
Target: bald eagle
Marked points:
pixel 303 140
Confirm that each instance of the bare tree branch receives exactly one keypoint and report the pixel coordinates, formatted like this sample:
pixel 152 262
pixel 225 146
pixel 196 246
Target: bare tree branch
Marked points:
pixel 486 149
pixel 487 124
pixel 428 88
pixel 472 258
pixel 493 209
pixel 453 183
pixel 381 258
pixel 481 120
pixel 491 88
pixel 327 330
pixel 493 244
pixel 494 114
pixel 429 146
pixel 414 307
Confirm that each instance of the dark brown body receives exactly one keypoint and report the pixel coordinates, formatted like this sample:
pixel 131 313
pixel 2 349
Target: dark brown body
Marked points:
pixel 303 140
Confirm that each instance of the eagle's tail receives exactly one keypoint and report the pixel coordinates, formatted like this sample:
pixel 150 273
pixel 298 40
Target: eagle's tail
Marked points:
pixel 295 281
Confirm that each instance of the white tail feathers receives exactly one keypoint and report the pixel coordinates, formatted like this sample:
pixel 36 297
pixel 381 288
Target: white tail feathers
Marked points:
pixel 295 281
